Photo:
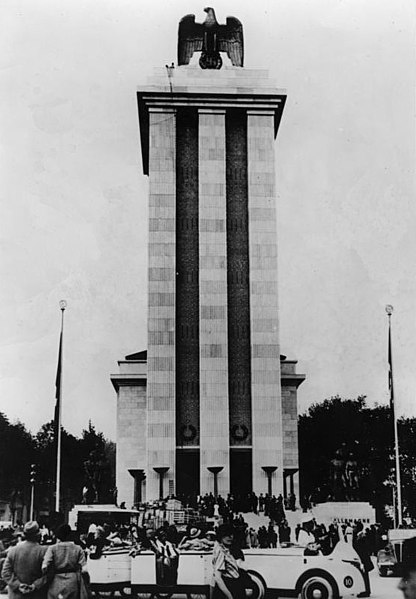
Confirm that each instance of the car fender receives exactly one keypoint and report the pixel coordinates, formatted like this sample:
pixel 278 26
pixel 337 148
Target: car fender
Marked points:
pixel 316 572
pixel 258 576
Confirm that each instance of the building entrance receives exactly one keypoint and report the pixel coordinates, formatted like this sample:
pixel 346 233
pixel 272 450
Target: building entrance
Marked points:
pixel 241 471
pixel 187 472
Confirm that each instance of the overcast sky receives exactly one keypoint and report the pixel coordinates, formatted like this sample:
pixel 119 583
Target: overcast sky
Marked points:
pixel 74 199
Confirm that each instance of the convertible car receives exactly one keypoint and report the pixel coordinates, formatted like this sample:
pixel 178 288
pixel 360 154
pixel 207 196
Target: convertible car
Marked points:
pixel 282 572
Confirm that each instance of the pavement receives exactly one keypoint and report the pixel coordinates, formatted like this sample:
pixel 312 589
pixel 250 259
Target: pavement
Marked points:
pixel 381 588
pixel 384 588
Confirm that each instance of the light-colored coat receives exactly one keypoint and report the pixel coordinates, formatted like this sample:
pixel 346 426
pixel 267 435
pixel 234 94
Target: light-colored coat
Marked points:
pixel 63 563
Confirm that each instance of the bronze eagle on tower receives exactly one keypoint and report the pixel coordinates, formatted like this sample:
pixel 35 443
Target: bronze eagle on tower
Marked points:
pixel 210 38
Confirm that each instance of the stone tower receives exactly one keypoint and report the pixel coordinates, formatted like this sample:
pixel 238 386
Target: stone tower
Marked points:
pixel 210 412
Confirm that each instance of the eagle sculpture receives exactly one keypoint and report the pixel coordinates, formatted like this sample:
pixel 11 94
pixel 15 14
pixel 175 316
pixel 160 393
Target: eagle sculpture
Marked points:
pixel 210 38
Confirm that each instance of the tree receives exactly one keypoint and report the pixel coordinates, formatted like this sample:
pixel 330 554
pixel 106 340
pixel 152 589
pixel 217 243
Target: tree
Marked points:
pixel 19 449
pixel 368 433
pixel 17 453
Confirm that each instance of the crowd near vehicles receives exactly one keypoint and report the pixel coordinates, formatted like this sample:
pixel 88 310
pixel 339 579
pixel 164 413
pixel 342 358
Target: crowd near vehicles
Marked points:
pixel 282 572
pixel 81 516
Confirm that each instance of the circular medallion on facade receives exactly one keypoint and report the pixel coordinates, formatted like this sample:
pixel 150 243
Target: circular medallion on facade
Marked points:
pixel 239 432
pixel 187 432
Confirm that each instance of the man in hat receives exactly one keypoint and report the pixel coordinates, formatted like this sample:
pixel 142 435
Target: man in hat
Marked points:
pixel 167 559
pixel 22 568
pixel 305 534
pixel 360 545
pixel 190 540
pixel 197 542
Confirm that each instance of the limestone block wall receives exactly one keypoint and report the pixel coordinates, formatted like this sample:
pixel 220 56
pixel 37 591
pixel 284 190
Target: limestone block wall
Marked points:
pixel 214 449
pixel 291 380
pixel 131 438
pixel 265 350
pixel 161 416
pixel 238 389
pixel 290 427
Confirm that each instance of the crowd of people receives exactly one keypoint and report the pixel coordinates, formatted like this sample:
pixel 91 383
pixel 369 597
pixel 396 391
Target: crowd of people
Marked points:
pixel 269 505
pixel 44 571
pixel 328 536
pixel 49 565
pixel 39 562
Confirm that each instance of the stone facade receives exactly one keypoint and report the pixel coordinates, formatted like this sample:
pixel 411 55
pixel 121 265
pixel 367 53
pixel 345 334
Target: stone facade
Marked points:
pixel 214 401
pixel 214 445
pixel 130 385
pixel 160 416
pixel 290 382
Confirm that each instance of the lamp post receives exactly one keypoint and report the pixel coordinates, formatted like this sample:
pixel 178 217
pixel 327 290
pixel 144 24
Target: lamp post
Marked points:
pixel 161 470
pixel 32 489
pixel 390 484
pixel 59 376
pixel 269 472
pixel 389 311
pixel 139 476
pixel 215 471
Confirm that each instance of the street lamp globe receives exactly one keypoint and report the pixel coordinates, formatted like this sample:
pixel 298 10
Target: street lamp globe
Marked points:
pixel 62 304
pixel 389 309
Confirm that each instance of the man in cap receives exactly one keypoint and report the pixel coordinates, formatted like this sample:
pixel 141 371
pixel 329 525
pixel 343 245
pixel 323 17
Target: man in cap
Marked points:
pixel 22 568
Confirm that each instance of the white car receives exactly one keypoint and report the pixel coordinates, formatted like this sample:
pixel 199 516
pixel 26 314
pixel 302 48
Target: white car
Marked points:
pixel 283 572
pixel 287 572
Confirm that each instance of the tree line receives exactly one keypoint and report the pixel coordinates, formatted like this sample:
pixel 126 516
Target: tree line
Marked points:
pixel 368 434
pixel 20 450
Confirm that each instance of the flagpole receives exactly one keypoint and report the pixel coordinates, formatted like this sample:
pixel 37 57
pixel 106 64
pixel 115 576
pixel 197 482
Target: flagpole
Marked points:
pixel 389 310
pixel 62 306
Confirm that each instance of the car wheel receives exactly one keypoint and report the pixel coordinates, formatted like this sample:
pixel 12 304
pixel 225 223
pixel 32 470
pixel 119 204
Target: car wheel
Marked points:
pixel 257 588
pixel 318 587
pixel 383 571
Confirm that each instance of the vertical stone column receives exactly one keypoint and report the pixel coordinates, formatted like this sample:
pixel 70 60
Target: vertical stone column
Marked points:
pixel 214 434
pixel 265 351
pixel 296 488
pixel 161 437
pixel 130 385
pixel 131 437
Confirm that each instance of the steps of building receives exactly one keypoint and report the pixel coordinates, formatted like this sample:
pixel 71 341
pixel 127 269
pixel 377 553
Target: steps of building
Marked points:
pixel 256 520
